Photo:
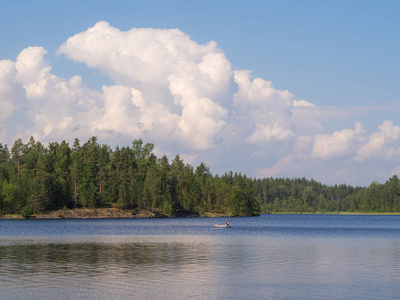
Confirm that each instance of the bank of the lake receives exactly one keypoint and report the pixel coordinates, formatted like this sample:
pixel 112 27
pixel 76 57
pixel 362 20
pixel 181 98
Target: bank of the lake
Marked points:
pixel 111 213
pixel 115 213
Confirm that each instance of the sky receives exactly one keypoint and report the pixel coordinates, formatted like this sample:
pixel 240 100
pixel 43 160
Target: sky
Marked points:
pixel 267 88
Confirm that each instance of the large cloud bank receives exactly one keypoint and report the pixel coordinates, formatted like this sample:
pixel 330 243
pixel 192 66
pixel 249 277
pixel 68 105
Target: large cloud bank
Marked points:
pixel 187 99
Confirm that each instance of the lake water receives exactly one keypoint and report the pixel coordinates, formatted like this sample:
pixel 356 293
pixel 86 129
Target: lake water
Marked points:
pixel 267 257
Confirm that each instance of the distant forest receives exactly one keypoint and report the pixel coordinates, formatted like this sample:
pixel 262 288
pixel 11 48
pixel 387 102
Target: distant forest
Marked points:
pixel 36 179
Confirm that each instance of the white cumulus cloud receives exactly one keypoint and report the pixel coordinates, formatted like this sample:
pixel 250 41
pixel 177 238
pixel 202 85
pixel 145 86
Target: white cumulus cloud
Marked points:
pixel 186 98
pixel 338 144
pixel 382 144
pixel 41 104
pixel 182 85
pixel 11 94
pixel 267 110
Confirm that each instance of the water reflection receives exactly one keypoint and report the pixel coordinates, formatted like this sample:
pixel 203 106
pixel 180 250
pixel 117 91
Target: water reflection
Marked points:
pixel 99 269
pixel 218 265
pixel 205 267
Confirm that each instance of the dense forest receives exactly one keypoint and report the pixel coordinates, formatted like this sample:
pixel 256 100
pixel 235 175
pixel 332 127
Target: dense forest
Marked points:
pixel 36 179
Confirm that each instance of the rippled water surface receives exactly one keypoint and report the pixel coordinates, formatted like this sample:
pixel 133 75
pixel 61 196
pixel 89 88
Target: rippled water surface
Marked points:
pixel 267 257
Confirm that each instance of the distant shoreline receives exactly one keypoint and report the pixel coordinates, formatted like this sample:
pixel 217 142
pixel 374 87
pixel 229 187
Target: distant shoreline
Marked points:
pixel 335 213
pixel 114 213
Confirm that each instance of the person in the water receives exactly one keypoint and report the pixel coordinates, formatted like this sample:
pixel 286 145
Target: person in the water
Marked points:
pixel 226 223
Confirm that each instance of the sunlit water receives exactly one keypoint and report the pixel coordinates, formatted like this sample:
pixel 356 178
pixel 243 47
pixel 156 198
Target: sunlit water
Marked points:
pixel 267 257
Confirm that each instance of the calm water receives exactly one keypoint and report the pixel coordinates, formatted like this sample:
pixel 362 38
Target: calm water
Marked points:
pixel 267 257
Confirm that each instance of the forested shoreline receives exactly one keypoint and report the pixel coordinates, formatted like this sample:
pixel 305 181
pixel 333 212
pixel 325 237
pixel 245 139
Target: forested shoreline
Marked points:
pixel 35 179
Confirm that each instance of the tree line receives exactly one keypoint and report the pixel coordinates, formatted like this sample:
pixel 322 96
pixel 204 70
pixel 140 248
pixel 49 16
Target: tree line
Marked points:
pixel 309 196
pixel 36 179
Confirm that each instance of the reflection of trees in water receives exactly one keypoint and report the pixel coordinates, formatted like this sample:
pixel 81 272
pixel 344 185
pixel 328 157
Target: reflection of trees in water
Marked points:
pixel 94 258
pixel 126 270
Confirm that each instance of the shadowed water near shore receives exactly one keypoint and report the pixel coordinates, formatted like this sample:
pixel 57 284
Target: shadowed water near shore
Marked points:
pixel 285 257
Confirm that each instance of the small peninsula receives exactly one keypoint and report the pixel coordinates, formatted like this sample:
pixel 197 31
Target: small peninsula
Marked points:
pixel 92 180
pixel 95 181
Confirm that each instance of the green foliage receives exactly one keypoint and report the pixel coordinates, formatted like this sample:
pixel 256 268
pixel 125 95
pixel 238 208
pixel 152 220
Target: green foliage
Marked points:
pixel 26 212
pixel 34 179
pixel 10 196
pixel 302 195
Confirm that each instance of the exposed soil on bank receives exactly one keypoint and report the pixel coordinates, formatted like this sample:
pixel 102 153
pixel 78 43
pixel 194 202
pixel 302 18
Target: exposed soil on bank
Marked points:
pixel 111 213
pixel 107 213
pixel 97 213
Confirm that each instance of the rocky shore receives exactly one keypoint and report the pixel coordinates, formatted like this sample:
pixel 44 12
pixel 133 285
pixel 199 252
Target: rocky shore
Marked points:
pixel 97 213
pixel 109 213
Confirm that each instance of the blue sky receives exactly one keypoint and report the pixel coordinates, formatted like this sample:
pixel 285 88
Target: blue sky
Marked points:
pixel 341 57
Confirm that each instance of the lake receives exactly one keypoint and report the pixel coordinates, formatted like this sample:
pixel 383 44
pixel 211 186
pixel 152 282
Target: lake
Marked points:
pixel 266 257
